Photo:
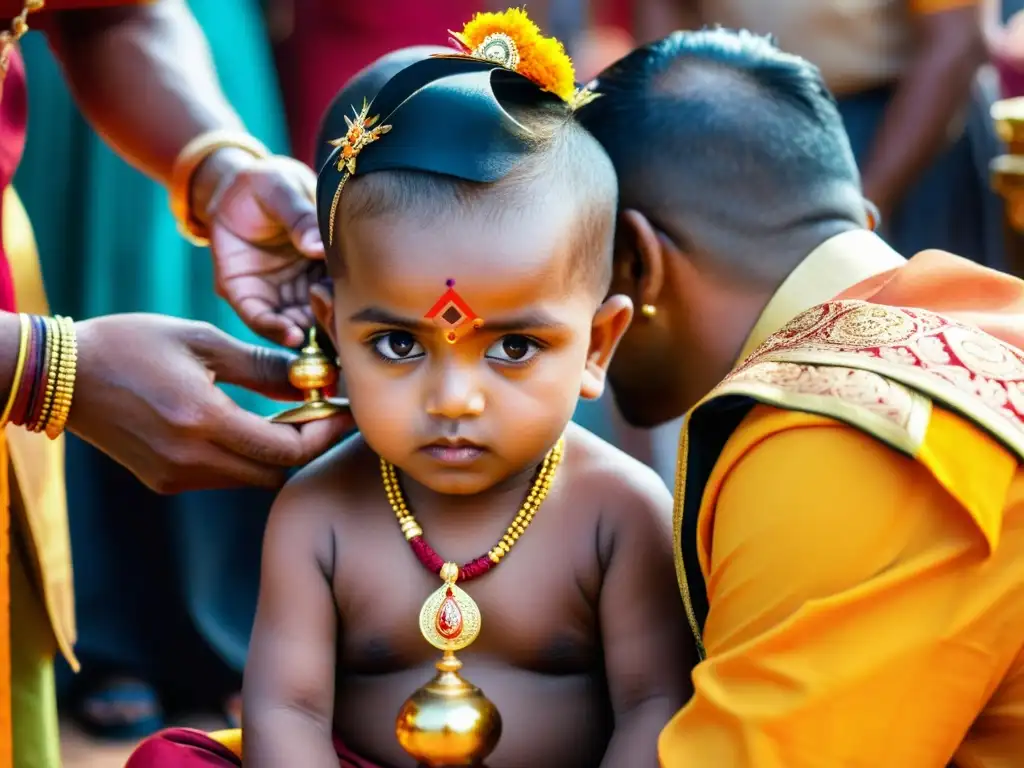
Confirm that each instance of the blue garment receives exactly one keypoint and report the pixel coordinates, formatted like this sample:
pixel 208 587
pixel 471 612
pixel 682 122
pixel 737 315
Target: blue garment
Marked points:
pixel 150 571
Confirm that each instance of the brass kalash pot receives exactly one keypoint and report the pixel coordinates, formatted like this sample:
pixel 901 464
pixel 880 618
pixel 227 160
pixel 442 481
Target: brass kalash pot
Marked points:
pixel 449 722
pixel 312 372
pixel 1007 173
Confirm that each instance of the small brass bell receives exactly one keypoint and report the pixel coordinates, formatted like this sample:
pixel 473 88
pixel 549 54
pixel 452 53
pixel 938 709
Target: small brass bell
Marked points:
pixel 448 723
pixel 312 372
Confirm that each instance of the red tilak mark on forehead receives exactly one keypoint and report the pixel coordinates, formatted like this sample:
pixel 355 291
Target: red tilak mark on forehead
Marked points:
pixel 453 315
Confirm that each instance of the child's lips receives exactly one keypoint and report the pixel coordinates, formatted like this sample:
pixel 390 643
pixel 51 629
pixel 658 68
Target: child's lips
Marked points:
pixel 454 452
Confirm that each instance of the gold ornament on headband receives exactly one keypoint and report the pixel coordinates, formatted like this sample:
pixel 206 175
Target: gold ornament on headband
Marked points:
pixel 584 96
pixel 362 132
pixel 452 315
pixel 513 41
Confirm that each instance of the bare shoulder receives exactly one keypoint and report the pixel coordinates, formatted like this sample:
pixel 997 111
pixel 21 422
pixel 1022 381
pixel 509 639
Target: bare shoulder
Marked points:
pixel 626 492
pixel 321 495
pixel 338 481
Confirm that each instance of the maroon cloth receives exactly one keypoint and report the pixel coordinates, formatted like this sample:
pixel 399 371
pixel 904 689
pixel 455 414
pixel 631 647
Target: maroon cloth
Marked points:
pixel 1011 79
pixel 13 117
pixel 189 748
pixel 331 40
pixel 615 13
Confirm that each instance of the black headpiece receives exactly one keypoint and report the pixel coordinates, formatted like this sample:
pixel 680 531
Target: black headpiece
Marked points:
pixel 448 114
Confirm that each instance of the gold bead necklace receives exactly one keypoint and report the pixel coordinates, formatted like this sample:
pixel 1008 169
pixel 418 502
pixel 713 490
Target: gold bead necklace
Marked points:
pixel 450 619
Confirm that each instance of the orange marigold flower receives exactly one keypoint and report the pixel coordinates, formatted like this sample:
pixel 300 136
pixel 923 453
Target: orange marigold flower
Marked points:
pixel 541 59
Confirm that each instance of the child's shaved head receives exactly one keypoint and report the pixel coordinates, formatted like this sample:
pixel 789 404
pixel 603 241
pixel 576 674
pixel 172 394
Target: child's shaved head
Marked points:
pixel 565 163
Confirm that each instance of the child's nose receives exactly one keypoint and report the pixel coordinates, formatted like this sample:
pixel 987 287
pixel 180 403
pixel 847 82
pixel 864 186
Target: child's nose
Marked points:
pixel 455 393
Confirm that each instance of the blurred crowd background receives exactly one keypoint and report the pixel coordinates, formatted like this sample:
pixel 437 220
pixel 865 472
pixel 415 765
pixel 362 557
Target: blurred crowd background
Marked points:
pixel 169 584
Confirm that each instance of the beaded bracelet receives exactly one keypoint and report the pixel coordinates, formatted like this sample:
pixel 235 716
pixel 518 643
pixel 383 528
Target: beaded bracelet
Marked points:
pixel 44 376
pixel 40 417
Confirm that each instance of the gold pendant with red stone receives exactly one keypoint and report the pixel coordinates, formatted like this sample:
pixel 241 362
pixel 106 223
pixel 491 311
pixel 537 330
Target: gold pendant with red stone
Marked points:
pixel 450 619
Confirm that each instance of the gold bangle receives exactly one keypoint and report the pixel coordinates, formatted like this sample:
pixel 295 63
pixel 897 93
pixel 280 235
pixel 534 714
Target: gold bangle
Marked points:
pixel 56 374
pixel 19 367
pixel 187 163
pixel 65 386
pixel 53 344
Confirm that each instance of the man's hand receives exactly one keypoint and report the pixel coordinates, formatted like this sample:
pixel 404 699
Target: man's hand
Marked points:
pixel 143 76
pixel 145 395
pixel 266 245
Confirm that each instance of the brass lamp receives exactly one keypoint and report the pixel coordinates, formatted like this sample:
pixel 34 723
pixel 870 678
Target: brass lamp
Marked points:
pixel 312 372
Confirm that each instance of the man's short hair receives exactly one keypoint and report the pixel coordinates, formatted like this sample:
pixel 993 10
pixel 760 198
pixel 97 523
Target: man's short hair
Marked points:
pixel 720 138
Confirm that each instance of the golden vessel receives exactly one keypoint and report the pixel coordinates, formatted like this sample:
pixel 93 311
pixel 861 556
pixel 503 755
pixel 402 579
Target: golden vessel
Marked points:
pixel 449 723
pixel 312 372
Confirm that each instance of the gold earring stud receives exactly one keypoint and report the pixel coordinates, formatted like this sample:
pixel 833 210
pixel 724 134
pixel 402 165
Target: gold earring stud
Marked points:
pixel 648 310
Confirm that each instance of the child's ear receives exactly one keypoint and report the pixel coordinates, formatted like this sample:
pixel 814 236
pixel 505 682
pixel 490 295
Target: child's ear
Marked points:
pixel 321 299
pixel 610 322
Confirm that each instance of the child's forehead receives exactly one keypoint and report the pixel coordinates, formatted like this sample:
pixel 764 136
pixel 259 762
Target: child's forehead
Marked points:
pixel 506 260
pixel 490 286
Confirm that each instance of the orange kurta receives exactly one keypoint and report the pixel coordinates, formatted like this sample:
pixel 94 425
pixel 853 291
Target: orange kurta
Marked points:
pixel 866 605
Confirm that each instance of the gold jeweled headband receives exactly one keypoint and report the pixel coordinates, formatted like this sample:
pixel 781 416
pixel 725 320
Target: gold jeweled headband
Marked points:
pixel 362 132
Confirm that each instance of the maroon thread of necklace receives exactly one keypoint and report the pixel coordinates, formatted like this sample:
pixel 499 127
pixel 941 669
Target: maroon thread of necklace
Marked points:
pixel 428 556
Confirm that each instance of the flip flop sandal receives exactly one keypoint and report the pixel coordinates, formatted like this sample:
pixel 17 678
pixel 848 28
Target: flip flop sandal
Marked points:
pixel 121 709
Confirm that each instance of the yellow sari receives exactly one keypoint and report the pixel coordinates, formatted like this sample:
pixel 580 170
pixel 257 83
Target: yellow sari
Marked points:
pixel 41 575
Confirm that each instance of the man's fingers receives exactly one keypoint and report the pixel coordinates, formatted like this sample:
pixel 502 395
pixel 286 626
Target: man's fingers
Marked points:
pixel 281 445
pixel 268 322
pixel 300 316
pixel 295 209
pixel 221 468
pixel 320 436
pixel 253 437
pixel 257 306
pixel 259 369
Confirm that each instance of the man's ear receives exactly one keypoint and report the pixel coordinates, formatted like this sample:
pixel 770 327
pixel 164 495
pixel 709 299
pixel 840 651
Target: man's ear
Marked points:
pixel 321 300
pixel 639 259
pixel 610 322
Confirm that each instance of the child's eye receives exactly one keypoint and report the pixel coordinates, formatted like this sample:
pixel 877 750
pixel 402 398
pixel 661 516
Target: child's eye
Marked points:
pixel 398 346
pixel 513 349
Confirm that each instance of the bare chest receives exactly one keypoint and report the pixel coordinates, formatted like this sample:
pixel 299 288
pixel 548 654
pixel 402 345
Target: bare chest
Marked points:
pixel 538 607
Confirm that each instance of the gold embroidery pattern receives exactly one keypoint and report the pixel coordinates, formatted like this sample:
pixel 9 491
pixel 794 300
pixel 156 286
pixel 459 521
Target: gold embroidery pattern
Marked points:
pixel 954 364
pixel 861 388
pixel 879 368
